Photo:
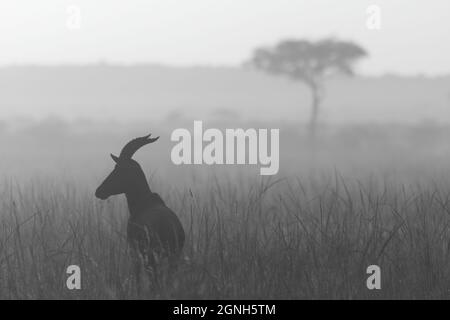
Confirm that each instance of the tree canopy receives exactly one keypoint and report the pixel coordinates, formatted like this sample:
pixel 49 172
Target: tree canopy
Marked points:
pixel 308 61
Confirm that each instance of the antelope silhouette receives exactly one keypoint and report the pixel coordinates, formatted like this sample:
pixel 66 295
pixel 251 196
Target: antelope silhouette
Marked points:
pixel 154 232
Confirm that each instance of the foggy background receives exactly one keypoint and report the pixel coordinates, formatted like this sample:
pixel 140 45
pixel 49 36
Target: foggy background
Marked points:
pixel 363 181
pixel 78 79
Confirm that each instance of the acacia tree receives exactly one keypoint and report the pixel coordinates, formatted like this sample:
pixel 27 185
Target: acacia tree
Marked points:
pixel 309 62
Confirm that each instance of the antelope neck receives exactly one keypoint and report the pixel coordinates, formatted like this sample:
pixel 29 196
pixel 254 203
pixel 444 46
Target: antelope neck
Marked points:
pixel 138 197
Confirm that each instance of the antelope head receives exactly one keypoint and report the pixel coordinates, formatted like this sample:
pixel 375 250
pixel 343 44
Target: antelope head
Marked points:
pixel 127 172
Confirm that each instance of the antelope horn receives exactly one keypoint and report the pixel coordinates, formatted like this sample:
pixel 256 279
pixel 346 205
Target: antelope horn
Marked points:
pixel 134 145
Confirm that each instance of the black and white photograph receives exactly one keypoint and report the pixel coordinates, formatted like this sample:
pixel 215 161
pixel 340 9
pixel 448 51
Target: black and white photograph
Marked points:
pixel 251 151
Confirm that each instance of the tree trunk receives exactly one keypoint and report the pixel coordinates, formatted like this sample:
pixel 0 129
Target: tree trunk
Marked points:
pixel 314 111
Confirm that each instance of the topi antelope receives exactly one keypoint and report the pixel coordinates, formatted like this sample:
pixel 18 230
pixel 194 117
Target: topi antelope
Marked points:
pixel 153 231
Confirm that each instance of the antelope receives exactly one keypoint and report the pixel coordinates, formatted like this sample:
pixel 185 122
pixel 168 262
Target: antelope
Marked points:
pixel 154 232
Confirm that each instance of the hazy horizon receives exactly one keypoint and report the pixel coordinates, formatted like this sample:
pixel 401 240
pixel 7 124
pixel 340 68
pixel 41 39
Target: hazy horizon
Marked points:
pixel 169 93
pixel 201 32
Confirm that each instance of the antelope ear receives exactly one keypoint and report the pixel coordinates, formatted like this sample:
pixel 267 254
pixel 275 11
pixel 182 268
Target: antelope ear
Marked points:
pixel 116 159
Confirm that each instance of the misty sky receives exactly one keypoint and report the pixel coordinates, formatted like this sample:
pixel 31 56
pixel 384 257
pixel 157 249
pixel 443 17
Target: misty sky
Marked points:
pixel 414 36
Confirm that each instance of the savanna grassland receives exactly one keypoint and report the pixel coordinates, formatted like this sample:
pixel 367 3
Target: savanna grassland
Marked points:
pixel 361 196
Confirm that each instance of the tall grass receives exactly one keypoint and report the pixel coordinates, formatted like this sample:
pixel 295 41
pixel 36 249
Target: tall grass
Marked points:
pixel 261 239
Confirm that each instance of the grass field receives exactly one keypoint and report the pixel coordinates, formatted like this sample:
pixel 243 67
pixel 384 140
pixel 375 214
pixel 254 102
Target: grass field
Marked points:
pixel 275 240
pixel 295 236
